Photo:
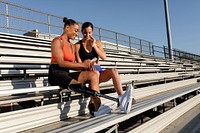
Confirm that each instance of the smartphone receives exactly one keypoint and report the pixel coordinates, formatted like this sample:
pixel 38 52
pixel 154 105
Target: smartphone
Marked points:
pixel 94 59
pixel 97 67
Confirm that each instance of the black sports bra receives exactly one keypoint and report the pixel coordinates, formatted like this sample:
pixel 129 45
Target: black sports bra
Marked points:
pixel 84 55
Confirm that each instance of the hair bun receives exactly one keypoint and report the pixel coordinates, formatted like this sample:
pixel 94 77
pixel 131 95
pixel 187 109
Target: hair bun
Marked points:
pixel 65 19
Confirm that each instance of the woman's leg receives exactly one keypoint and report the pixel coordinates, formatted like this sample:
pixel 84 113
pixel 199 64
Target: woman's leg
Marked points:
pixel 93 79
pixel 114 75
pixel 91 98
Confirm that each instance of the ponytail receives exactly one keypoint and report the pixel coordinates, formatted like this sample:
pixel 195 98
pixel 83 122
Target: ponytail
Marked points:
pixel 68 22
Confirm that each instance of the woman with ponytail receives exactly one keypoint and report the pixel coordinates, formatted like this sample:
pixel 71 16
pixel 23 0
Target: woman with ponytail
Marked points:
pixel 63 60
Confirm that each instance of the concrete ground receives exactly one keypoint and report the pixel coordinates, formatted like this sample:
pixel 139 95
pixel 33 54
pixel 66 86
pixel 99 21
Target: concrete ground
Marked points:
pixel 188 123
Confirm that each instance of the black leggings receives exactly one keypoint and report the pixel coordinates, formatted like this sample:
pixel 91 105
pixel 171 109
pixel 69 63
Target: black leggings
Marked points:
pixel 61 76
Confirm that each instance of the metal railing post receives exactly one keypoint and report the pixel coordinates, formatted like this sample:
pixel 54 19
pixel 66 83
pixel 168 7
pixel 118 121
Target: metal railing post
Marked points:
pixel 7 18
pixel 140 45
pixel 149 48
pixel 100 34
pixel 129 43
pixel 117 40
pixel 153 50
pixel 49 25
pixel 164 52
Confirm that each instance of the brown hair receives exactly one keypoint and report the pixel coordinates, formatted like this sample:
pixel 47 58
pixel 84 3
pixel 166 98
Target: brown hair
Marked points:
pixel 69 22
pixel 86 24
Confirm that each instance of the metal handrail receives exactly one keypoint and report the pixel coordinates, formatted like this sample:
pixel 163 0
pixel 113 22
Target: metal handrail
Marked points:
pixel 49 28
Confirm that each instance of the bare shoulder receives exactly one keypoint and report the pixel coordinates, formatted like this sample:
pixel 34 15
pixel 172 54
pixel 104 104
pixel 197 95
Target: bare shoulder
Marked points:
pixel 56 42
pixel 77 45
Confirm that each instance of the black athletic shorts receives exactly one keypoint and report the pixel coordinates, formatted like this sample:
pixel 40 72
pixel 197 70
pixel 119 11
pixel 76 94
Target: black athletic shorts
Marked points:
pixel 59 76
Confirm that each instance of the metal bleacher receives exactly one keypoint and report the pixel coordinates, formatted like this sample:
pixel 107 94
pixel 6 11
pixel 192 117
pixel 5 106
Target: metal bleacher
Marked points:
pixel 24 63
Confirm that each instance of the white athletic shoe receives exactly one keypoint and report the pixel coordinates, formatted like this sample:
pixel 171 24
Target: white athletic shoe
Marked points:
pixel 125 100
pixel 103 109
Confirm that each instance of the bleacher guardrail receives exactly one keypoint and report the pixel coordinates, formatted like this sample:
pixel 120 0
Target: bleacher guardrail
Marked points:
pixel 21 20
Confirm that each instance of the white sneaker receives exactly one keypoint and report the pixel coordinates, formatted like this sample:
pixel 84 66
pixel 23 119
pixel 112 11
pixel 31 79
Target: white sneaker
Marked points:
pixel 125 100
pixel 103 109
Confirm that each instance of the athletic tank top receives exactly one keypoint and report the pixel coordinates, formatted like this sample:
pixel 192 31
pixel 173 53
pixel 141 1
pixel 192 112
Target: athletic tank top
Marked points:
pixel 68 55
pixel 84 55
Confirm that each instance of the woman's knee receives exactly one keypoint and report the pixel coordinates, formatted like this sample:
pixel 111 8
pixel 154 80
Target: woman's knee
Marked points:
pixel 113 71
pixel 93 75
pixel 87 76
pixel 97 72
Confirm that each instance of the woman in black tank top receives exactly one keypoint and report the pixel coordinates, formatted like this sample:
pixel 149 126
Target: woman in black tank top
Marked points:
pixel 84 55
pixel 89 48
